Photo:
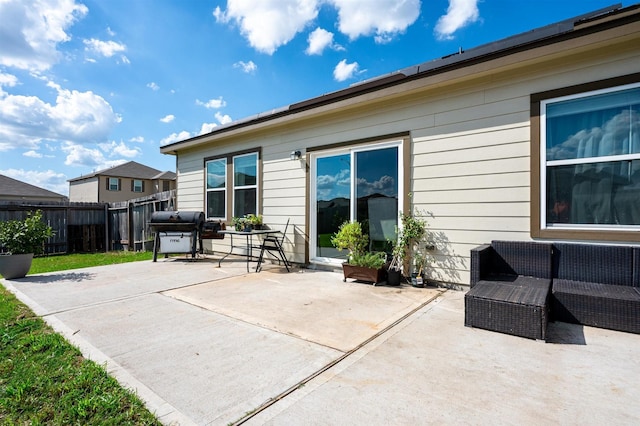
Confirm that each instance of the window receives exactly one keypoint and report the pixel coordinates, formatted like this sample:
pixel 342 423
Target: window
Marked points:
pixel 363 183
pixel 113 184
pixel 137 185
pixel 216 188
pixel 232 185
pixel 245 184
pixel 166 185
pixel 590 161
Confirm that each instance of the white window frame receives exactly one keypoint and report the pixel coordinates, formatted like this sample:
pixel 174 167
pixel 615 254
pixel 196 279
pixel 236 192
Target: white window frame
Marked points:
pixel 223 189
pixel 117 184
pixel 234 188
pixel 137 188
pixel 351 150
pixel 544 163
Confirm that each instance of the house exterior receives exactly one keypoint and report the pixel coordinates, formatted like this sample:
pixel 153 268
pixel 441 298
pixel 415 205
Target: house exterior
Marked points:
pixel 15 190
pixel 120 183
pixel 534 137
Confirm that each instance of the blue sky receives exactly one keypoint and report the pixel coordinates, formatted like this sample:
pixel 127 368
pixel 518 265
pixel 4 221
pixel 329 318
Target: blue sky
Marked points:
pixel 89 84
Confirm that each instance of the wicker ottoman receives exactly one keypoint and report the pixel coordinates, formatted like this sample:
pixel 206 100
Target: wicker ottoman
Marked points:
pixel 519 307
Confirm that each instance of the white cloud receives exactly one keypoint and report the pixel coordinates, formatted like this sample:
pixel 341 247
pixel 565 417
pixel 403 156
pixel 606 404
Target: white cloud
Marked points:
pixel 120 149
pixel 32 154
pixel 81 117
pixel 385 185
pixel 153 86
pixel 459 14
pixel 48 179
pixel 207 128
pixel 168 118
pixel 383 18
pixel 175 137
pixel 212 103
pixel 344 71
pixel 268 24
pixel 204 128
pixel 104 48
pixel 137 139
pixel 93 158
pixel 223 118
pixel 247 67
pixel 319 40
pixel 7 80
pixel 79 155
pixel 31 31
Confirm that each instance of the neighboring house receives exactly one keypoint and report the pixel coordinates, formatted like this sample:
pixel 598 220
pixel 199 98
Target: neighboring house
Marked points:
pixel 120 183
pixel 15 190
pixel 536 136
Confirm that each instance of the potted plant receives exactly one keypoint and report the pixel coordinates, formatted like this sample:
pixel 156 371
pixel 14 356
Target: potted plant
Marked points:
pixel 413 230
pixel 255 220
pixel 241 224
pixel 394 271
pixel 22 239
pixel 361 264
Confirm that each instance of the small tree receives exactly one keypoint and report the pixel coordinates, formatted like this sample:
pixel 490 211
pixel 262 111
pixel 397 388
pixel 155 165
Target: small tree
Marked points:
pixel 413 230
pixel 350 237
pixel 25 236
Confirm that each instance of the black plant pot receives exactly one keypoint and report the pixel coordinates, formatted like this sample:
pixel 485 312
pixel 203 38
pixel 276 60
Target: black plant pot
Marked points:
pixel 394 277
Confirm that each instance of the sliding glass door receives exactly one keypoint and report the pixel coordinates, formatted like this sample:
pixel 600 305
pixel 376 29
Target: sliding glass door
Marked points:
pixel 361 184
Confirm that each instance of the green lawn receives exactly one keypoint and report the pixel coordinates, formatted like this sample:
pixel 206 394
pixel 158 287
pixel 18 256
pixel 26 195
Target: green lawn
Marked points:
pixel 85 260
pixel 44 379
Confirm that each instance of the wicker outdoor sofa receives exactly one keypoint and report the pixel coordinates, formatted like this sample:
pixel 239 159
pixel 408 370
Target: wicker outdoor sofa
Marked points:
pixel 518 286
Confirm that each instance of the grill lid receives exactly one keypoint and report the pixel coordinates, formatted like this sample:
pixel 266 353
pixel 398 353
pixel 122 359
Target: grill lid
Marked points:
pixel 176 220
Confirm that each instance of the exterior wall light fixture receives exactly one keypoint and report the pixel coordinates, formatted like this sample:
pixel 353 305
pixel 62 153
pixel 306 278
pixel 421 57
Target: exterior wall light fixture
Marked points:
pixel 295 155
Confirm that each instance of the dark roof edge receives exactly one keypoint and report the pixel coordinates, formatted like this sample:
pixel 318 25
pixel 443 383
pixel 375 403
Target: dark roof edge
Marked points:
pixel 456 60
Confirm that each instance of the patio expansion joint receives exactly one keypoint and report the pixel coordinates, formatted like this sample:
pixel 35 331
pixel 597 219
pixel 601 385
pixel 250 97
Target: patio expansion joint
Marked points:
pixel 335 362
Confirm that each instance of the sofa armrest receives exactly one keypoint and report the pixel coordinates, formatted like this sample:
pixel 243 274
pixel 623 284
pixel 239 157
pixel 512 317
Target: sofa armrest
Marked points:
pixel 480 263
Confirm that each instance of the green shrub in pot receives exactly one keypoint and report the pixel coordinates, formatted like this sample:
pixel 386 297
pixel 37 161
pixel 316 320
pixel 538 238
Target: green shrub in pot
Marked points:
pixel 25 236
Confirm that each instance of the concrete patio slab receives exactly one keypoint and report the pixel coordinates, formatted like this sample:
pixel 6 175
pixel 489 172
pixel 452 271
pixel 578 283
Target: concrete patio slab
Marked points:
pixel 215 346
pixel 210 367
pixel 60 291
pixel 430 369
pixel 313 305
pixel 206 345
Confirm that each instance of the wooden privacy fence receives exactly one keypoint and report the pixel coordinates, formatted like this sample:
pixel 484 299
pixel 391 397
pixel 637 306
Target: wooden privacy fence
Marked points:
pixel 129 220
pixel 92 227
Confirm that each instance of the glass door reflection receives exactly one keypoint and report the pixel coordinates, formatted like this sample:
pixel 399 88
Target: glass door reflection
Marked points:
pixel 333 201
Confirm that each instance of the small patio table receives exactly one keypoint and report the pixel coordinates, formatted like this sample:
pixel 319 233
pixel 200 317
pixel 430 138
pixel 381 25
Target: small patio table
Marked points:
pixel 248 241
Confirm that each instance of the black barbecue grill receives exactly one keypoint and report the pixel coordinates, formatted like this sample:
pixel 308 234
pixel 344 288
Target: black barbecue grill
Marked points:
pixel 178 232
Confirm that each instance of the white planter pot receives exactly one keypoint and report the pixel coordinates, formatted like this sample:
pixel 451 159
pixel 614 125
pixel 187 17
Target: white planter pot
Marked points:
pixel 15 265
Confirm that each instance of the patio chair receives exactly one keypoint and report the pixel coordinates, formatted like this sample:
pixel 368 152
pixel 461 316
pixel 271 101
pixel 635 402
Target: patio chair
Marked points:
pixel 510 288
pixel 273 245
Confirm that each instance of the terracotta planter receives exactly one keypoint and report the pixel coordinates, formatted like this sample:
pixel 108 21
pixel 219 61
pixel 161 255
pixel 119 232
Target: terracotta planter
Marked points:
pixel 363 274
pixel 15 265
